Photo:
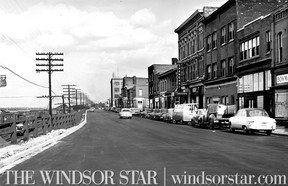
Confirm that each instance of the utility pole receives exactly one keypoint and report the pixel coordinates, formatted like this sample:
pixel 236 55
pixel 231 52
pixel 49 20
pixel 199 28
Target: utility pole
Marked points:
pixel 77 97
pixel 69 92
pixel 50 70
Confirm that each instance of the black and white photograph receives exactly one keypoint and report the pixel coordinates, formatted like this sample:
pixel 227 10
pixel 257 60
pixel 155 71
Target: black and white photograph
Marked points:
pixel 144 92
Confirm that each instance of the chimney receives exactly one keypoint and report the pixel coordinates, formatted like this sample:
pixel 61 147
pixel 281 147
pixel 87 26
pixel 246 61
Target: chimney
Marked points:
pixel 174 61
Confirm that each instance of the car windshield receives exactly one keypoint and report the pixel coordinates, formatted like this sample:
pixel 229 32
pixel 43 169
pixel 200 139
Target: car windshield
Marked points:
pixel 251 113
pixel 125 110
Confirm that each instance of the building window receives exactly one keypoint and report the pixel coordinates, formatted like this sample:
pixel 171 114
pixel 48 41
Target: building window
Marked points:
pixel 214 74
pixel 223 35
pixel 116 83
pixel 279 47
pixel 231 66
pixel 268 41
pixel 231 32
pixel 214 41
pixel 223 67
pixel 200 38
pixel 140 92
pixel 116 90
pixel 209 42
pixel 209 72
pixel 250 48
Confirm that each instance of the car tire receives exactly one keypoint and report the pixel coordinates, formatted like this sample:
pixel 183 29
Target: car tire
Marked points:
pixel 211 123
pixel 268 132
pixel 245 130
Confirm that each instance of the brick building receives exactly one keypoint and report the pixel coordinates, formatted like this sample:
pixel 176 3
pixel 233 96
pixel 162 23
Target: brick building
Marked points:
pixel 254 65
pixel 222 54
pixel 167 86
pixel 279 69
pixel 153 81
pixel 191 55
pixel 134 92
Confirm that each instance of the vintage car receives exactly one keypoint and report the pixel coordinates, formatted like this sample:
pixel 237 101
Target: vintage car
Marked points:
pixel 252 119
pixel 125 113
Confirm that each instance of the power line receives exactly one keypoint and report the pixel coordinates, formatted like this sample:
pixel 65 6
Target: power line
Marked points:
pixel 6 68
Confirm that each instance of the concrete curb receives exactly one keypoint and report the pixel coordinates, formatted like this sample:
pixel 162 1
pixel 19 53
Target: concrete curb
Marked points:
pixel 15 159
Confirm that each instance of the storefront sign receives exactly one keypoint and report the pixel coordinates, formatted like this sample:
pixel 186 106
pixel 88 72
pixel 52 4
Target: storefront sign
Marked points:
pixel 282 78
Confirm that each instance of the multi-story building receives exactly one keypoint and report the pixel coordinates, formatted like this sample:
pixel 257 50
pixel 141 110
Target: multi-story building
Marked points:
pixel 191 55
pixel 115 85
pixel 167 87
pixel 153 81
pixel 279 35
pixel 254 64
pixel 222 53
pixel 134 92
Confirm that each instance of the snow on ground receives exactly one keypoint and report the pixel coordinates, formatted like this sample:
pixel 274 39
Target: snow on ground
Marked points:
pixel 13 149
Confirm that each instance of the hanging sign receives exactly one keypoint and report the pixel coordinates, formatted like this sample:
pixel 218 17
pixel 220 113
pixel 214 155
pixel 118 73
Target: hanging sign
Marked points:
pixel 3 82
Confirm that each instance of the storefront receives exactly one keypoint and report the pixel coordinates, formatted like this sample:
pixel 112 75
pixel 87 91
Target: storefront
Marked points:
pixel 196 95
pixel 281 96
pixel 254 91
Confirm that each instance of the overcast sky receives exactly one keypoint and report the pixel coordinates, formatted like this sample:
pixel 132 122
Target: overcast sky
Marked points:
pixel 97 37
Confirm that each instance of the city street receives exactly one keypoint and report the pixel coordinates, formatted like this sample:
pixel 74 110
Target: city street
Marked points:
pixel 156 153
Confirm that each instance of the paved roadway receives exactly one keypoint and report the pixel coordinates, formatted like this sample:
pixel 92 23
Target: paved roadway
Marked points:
pixel 107 143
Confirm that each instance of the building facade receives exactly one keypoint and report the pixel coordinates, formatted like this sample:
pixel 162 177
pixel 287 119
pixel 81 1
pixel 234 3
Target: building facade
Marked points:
pixel 254 64
pixel 134 92
pixel 167 86
pixel 154 72
pixel 222 54
pixel 279 69
pixel 191 56
pixel 115 85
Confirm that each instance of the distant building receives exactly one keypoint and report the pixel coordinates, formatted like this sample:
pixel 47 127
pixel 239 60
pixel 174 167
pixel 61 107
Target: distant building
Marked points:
pixel 134 92
pixel 167 87
pixel 116 85
pixel 154 72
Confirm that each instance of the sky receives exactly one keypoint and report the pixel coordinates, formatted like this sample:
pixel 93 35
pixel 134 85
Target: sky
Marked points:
pixel 97 37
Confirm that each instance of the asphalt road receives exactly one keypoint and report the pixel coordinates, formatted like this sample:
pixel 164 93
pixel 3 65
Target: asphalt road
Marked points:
pixel 140 151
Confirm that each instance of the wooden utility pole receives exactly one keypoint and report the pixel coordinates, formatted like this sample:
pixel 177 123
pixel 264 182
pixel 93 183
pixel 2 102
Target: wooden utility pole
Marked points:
pixel 69 92
pixel 76 97
pixel 50 69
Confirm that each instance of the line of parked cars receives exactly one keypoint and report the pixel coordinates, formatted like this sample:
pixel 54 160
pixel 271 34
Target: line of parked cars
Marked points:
pixel 215 116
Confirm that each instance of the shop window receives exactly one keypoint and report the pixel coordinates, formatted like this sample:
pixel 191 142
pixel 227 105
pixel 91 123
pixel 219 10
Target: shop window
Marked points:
pixel 268 81
pixel 281 103
pixel 260 102
pixel 241 102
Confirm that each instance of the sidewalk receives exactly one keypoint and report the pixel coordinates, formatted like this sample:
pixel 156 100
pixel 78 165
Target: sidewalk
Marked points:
pixel 281 130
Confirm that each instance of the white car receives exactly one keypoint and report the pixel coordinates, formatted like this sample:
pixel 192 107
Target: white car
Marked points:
pixel 252 119
pixel 125 113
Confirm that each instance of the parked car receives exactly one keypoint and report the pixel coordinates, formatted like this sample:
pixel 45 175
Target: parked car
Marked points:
pixel 252 119
pixel 216 115
pixel 160 114
pixel 152 114
pixel 135 111
pixel 144 114
pixel 183 113
pixel 168 117
pixel 125 113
